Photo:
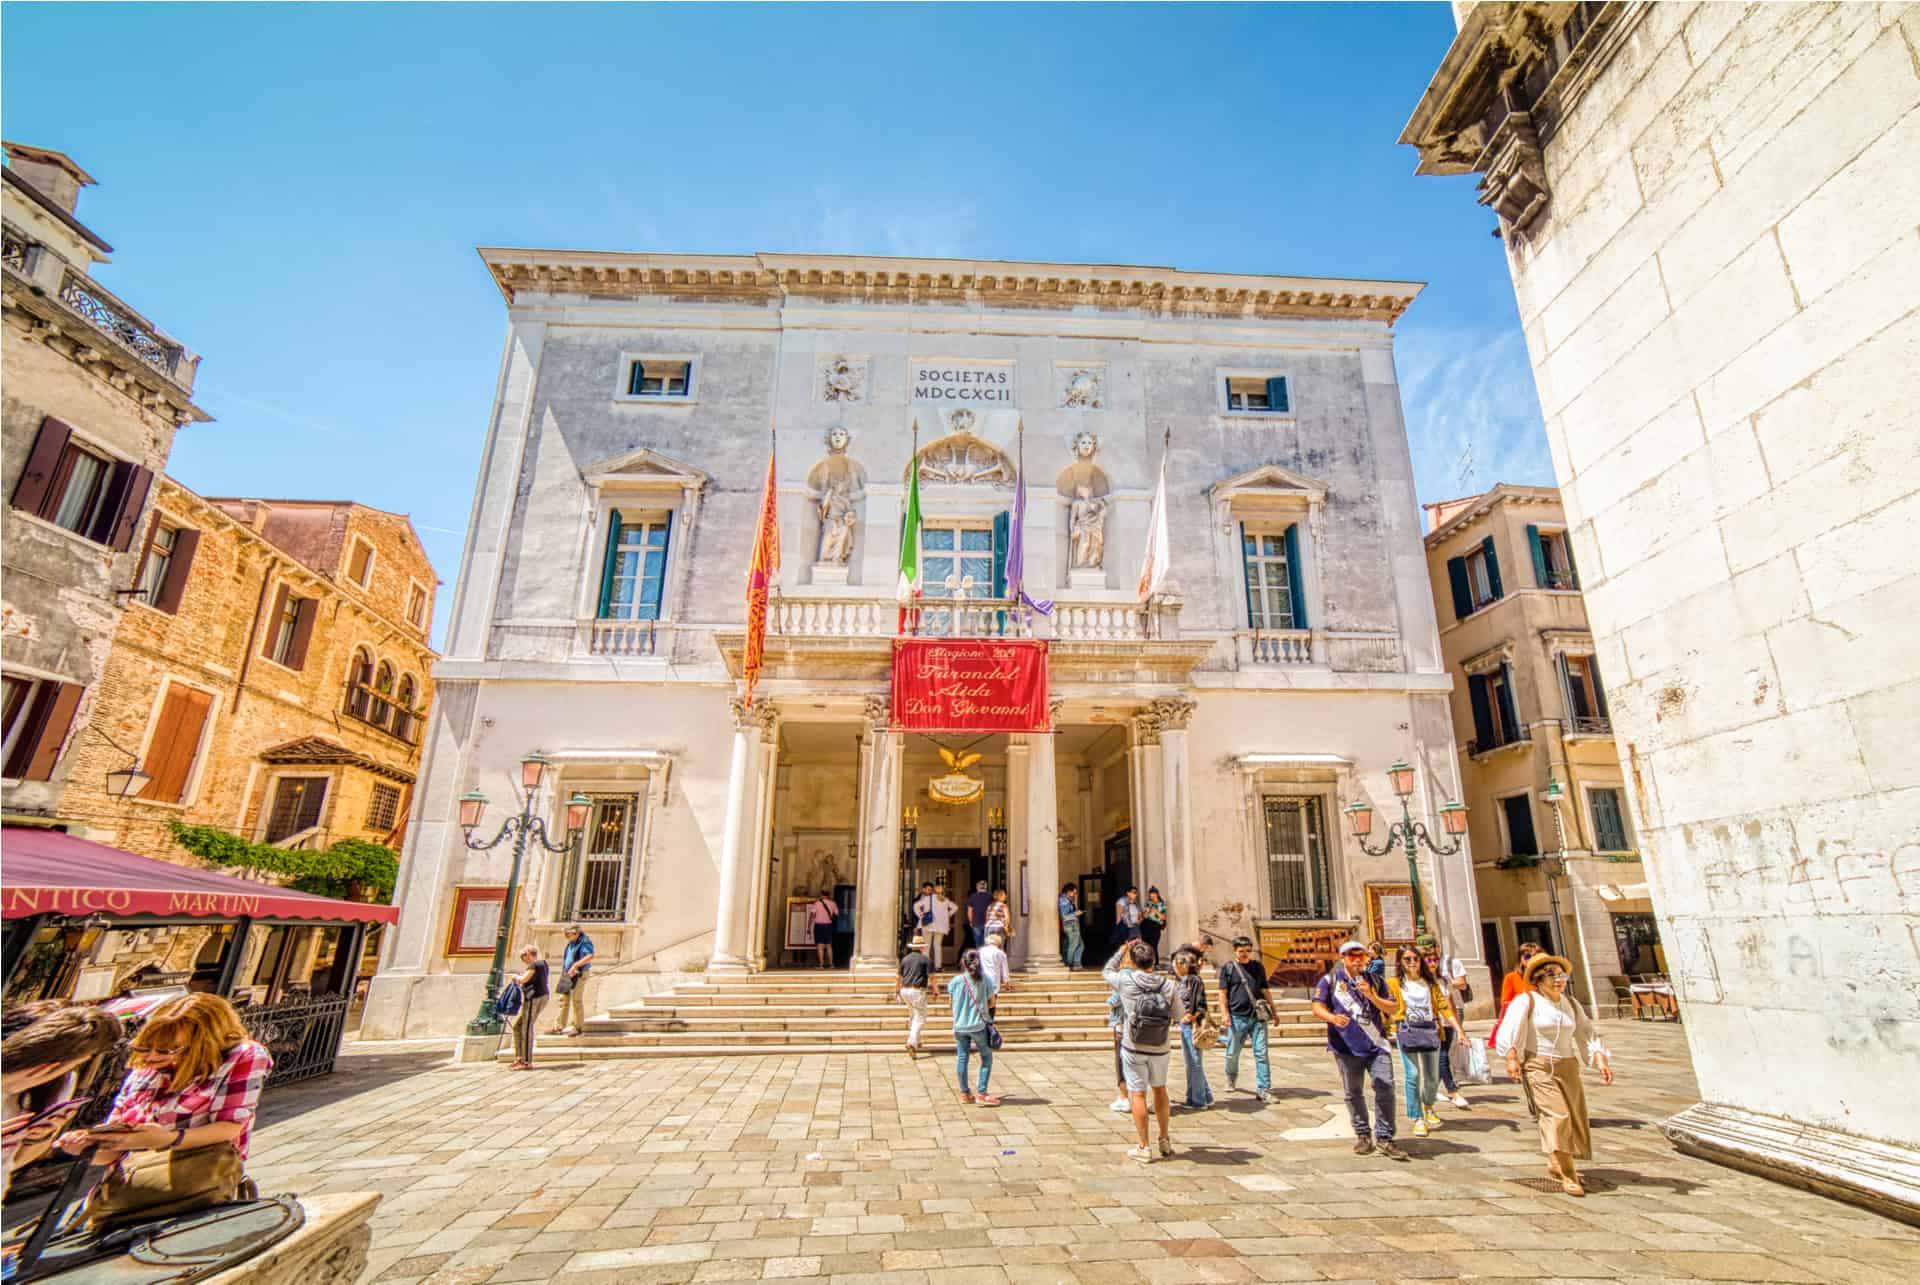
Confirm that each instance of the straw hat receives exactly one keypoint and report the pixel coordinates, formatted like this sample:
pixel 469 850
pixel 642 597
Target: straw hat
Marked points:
pixel 1539 962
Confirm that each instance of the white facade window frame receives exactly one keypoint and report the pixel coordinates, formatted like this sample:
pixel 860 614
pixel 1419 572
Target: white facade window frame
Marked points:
pixel 1268 500
pixel 1225 409
pixel 1332 842
pixel 640 482
pixel 646 774
pixel 1560 532
pixel 191 793
pixel 1626 821
pixel 633 509
pixel 1506 834
pixel 623 380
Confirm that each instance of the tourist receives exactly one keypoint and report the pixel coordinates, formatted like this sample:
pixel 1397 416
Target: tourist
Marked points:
pixel 1243 998
pixel 1452 972
pixel 993 961
pixel 1514 984
pixel 1420 1013
pixel 575 961
pixel 1121 1102
pixel 1073 948
pixel 1545 1035
pixel 1150 1013
pixel 1000 916
pixel 179 1128
pixel 1126 914
pixel 934 913
pixel 976 913
pixel 39 1062
pixel 1153 920
pixel 532 981
pixel 1377 967
pixel 1194 1026
pixel 969 992
pixel 1345 1000
pixel 823 912
pixel 915 969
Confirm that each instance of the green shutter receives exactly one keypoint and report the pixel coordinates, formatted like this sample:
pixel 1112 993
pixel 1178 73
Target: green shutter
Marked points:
pixel 1277 396
pixel 1573 568
pixel 1002 534
pixel 1482 711
pixel 1507 711
pixel 1599 692
pixel 651 607
pixel 608 563
pixel 1462 592
pixel 1296 596
pixel 1493 569
pixel 1246 576
pixel 1540 574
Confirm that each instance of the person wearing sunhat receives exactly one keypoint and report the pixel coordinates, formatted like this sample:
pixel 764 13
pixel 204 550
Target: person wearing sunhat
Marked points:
pixel 1545 1035
pixel 1356 1036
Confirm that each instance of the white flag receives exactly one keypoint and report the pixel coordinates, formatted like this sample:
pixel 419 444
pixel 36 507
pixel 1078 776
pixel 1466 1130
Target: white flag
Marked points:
pixel 1153 564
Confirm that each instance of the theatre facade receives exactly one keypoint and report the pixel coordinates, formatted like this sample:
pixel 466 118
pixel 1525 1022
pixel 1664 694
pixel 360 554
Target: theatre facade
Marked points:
pixel 1204 739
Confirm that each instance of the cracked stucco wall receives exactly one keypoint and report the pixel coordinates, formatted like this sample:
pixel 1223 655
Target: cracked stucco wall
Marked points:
pixel 1720 306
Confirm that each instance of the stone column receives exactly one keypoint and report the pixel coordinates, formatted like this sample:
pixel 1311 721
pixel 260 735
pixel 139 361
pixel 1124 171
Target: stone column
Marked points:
pixel 876 921
pixel 1019 835
pixel 772 795
pixel 733 908
pixel 1178 883
pixel 1143 762
pixel 1043 854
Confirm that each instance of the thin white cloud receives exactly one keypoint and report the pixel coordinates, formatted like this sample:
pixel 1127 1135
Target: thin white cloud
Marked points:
pixel 1473 413
pixel 917 234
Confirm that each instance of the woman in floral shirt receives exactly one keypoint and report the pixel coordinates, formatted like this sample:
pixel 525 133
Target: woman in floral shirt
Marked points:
pixel 180 1126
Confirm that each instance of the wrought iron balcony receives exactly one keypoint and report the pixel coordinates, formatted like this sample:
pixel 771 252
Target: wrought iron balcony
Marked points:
pixel 88 298
pixel 1499 741
pixel 1585 726
pixel 13 251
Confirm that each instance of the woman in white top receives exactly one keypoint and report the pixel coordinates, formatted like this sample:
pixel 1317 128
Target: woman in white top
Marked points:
pixel 1545 1035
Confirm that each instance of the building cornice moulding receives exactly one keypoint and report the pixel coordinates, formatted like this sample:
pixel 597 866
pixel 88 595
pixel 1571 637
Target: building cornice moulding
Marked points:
pixel 611 274
pixel 1502 493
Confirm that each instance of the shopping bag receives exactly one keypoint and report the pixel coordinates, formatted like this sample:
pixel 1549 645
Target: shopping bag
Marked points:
pixel 1469 1059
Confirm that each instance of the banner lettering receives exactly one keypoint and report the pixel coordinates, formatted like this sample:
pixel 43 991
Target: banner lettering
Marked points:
pixel 969 685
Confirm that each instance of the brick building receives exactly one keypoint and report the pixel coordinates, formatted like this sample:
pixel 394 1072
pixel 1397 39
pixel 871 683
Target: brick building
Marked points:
pixel 94 394
pixel 271 675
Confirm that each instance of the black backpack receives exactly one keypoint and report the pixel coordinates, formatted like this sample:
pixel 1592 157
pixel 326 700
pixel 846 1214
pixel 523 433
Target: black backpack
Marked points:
pixel 1149 1014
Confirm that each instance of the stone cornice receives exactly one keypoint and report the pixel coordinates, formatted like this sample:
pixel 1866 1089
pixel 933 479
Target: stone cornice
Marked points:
pixel 772 277
pixel 1504 493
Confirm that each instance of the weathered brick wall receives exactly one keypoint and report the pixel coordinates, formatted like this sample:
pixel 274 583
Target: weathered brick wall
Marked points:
pixel 213 642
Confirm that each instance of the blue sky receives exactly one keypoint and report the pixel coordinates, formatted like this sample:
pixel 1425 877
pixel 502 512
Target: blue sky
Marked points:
pixel 295 191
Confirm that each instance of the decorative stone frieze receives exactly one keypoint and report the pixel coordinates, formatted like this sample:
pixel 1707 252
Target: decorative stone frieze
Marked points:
pixel 843 379
pixel 1082 387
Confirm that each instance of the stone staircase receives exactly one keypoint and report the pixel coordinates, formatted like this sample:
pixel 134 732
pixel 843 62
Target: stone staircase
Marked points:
pixel 838 1012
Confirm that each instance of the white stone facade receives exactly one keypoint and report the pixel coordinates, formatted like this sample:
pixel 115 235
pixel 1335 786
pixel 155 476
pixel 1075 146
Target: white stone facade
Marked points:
pixel 1710 221
pixel 1177 720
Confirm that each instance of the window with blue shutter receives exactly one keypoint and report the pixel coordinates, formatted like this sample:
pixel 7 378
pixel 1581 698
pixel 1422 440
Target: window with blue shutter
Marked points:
pixel 1609 820
pixel 1258 394
pixel 1462 590
pixel 660 377
pixel 633 574
pixel 1270 583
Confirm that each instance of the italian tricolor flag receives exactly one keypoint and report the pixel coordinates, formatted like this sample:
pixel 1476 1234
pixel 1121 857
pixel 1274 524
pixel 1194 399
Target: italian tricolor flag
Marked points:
pixel 908 589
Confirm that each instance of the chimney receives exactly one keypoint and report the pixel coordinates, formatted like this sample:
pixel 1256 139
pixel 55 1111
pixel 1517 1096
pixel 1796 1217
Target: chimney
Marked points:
pixel 52 174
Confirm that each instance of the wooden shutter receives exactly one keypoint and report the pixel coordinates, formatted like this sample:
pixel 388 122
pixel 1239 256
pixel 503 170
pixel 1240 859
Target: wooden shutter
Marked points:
pixel 175 744
pixel 273 621
pixel 1573 568
pixel 1540 569
pixel 1277 396
pixel 1566 689
pixel 127 488
pixel 303 615
pixel 1246 577
pixel 1521 840
pixel 1599 692
pixel 1462 591
pixel 1609 827
pixel 612 559
pixel 174 583
pixel 1482 711
pixel 33 492
pixel 1296 592
pixel 655 598
pixel 1493 569
pixel 1507 713
pixel 48 721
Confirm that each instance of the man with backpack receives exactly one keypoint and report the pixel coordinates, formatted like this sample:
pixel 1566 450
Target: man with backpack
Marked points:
pixel 1150 1012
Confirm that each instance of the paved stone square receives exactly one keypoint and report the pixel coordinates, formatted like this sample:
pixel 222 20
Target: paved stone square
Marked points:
pixel 855 1168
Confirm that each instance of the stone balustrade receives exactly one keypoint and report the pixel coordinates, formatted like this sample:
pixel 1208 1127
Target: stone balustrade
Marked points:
pixel 810 617
pixel 1276 647
pixel 622 637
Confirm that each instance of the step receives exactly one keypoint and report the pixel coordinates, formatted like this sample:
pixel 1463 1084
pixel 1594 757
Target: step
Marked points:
pixel 551 1049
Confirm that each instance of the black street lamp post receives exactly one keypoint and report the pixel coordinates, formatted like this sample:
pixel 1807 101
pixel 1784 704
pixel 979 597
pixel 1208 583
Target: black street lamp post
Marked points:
pixel 1405 831
pixel 522 827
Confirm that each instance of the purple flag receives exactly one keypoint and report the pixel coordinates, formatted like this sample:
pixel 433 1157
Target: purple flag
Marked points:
pixel 1016 541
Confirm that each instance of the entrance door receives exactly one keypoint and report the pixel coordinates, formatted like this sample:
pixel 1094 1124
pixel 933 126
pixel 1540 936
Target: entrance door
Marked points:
pixel 953 869
pixel 1298 886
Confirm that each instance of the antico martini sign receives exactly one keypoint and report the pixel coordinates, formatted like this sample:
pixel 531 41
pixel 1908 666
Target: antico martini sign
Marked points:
pixel 955 383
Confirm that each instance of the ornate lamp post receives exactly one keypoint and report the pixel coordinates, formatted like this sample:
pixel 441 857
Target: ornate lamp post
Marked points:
pixel 1453 815
pixel 1556 865
pixel 532 768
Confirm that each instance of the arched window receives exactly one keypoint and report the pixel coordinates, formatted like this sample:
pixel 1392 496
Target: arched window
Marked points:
pixel 359 681
pixel 382 689
pixel 405 725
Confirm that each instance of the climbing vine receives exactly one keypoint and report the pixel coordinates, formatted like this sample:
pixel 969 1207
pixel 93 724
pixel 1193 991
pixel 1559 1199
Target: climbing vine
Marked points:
pixel 352 869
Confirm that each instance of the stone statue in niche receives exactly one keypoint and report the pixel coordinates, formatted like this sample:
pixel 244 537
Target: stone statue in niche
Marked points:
pixel 1089 530
pixel 842 379
pixel 1082 389
pixel 824 873
pixel 837 523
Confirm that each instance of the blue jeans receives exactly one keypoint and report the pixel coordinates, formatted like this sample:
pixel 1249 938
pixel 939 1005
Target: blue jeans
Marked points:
pixel 1199 1093
pixel 1446 1059
pixel 965 1042
pixel 1248 1027
pixel 1354 1074
pixel 1072 948
pixel 1420 1072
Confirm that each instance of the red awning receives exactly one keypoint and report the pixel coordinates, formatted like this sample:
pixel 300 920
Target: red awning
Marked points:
pixel 47 872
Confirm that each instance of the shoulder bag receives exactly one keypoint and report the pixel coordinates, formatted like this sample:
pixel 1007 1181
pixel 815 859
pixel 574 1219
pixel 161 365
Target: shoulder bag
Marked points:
pixel 1262 1008
pixel 1206 1031
pixel 992 1032
pixel 1420 1035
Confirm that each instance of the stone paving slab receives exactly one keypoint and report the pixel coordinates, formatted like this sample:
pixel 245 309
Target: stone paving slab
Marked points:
pixel 849 1168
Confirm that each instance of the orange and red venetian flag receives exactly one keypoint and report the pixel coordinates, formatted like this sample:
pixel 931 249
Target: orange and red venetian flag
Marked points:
pixel 760 578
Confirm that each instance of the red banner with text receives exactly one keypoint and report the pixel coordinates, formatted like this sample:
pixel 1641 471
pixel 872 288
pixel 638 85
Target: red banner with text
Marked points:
pixel 969 685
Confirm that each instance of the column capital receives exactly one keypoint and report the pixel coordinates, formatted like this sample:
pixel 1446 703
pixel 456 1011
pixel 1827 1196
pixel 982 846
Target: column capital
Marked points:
pixel 1054 705
pixel 878 711
pixel 1145 729
pixel 759 718
pixel 1174 712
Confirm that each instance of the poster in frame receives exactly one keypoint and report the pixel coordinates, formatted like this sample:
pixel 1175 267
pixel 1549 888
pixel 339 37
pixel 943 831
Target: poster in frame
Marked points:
pixel 474 926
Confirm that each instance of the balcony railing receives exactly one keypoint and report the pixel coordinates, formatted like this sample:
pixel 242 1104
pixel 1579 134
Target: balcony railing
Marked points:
pixel 804 617
pixel 86 297
pixel 13 251
pixel 1487 745
pixel 623 637
pixel 1277 647
pixel 1591 726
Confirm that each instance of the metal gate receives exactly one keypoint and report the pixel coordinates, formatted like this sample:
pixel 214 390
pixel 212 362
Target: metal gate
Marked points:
pixel 1298 886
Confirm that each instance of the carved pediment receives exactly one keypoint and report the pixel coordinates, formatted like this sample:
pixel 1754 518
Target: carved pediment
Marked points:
pixel 962 458
pixel 647 468
pixel 1269 486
